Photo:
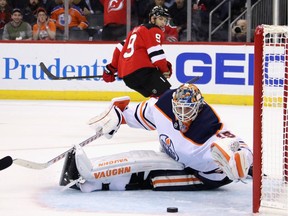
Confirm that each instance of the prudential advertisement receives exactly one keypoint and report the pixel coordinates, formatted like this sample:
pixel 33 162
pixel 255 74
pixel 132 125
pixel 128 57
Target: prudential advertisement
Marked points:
pixel 223 69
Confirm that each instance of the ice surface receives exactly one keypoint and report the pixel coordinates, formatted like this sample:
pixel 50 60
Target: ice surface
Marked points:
pixel 40 130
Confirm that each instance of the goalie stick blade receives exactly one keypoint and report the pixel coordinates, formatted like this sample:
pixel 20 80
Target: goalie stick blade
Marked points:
pixel 5 162
pixel 53 77
pixel 39 166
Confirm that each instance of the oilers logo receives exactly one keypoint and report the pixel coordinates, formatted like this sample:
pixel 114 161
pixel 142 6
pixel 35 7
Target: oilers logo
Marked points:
pixel 168 147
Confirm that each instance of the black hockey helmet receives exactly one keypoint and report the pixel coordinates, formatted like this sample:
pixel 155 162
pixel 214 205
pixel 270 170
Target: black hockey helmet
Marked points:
pixel 159 11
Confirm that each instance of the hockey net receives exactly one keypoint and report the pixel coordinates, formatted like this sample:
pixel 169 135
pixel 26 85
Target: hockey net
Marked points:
pixel 270 165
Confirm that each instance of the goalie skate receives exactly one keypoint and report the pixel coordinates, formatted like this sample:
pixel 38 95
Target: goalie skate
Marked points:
pixel 69 171
pixel 237 165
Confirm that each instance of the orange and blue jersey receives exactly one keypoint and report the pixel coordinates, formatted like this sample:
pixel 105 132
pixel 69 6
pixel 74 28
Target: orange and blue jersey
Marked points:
pixel 75 17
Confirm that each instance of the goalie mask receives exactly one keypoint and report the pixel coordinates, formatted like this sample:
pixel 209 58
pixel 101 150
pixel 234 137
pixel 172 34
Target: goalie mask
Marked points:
pixel 187 101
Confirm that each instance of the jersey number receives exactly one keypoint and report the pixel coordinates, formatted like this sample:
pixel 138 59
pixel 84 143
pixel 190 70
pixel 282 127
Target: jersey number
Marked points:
pixel 130 47
pixel 225 134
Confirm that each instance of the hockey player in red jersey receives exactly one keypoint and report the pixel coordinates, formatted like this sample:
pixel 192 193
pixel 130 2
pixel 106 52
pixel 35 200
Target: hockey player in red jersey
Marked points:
pixel 142 62
pixel 200 152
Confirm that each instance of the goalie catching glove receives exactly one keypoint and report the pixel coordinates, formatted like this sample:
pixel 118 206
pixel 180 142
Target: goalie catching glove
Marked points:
pixel 109 73
pixel 109 121
pixel 234 159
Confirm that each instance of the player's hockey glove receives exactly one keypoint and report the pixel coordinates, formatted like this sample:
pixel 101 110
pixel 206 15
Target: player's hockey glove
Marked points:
pixel 109 73
pixel 168 73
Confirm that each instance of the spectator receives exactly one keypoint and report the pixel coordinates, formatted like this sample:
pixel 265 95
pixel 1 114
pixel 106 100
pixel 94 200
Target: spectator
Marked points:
pixel 239 31
pixel 77 20
pixel 44 29
pixel 96 6
pixel 168 3
pixel 5 13
pixel 49 5
pixel 30 11
pixel 21 4
pixel 170 32
pixel 85 7
pixel 115 21
pixel 205 7
pixel 17 29
pixel 141 7
pixel 145 19
pixel 178 14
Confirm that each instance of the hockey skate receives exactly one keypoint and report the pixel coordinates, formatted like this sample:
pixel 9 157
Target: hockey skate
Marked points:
pixel 69 172
pixel 237 164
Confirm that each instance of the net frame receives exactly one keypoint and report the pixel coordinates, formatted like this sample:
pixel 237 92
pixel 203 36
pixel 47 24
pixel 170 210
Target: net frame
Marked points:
pixel 260 102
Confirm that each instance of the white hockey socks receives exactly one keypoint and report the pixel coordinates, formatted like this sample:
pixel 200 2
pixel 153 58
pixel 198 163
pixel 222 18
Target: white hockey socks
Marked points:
pixel 235 161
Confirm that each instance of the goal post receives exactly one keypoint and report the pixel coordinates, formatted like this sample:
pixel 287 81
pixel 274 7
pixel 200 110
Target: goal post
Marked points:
pixel 270 126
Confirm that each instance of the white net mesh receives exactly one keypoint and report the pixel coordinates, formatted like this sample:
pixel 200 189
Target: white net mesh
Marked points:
pixel 274 191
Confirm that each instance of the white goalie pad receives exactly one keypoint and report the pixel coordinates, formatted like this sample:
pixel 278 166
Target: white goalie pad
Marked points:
pixel 123 164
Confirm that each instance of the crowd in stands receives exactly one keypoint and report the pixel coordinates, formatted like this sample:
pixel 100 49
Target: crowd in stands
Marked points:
pixel 104 19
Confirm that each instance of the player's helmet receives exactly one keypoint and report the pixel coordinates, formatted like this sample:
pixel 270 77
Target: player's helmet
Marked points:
pixel 159 11
pixel 187 101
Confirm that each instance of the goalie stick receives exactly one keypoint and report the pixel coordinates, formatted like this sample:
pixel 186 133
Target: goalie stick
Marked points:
pixel 5 162
pixel 53 77
pixel 39 166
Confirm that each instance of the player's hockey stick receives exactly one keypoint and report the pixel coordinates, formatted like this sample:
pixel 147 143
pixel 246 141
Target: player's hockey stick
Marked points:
pixel 39 166
pixel 193 80
pixel 53 77
pixel 5 162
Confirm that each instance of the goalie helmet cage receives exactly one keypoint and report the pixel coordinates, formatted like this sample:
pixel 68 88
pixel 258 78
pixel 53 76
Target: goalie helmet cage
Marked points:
pixel 270 148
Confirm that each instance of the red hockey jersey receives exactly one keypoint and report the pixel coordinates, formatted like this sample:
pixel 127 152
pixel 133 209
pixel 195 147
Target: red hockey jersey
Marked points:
pixel 142 49
pixel 115 11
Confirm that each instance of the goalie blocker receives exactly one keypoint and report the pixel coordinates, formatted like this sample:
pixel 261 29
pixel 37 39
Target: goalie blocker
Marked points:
pixel 134 170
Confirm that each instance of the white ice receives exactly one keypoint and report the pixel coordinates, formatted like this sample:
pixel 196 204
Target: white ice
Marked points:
pixel 40 130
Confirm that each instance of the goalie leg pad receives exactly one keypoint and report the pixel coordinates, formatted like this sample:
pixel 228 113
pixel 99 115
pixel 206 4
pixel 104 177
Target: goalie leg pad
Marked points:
pixel 116 170
pixel 174 180
pixel 133 162
pixel 83 163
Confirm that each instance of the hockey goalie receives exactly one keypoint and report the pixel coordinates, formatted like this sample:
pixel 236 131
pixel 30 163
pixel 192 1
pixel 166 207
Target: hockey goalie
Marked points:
pixel 197 152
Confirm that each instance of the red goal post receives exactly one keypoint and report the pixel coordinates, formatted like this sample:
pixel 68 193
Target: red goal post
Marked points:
pixel 270 128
